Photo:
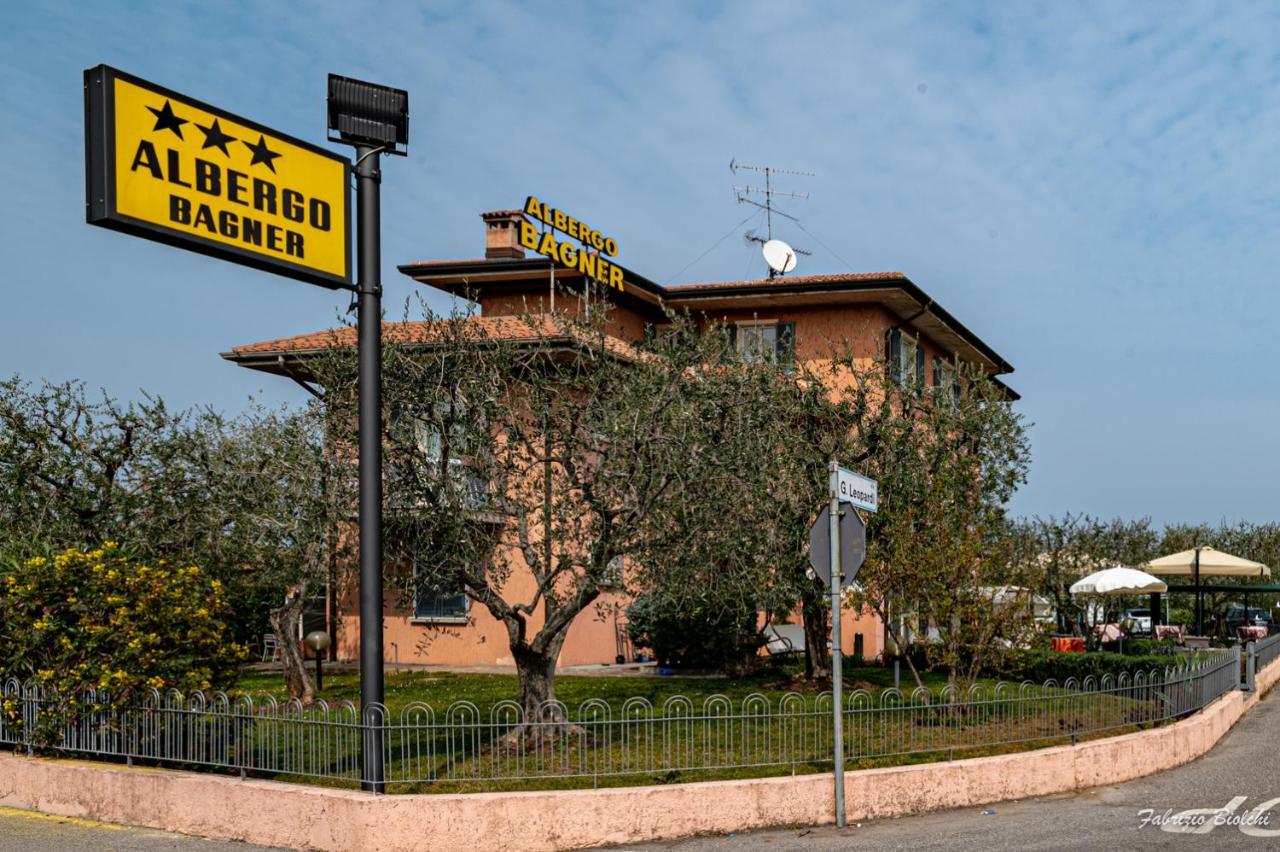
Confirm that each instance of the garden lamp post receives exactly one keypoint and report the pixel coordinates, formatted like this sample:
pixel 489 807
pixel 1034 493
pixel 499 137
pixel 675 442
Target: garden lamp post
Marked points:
pixel 318 642
pixel 1126 627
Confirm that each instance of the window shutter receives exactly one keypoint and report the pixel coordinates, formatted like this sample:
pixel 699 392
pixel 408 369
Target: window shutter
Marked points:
pixel 732 328
pixel 919 363
pixel 937 371
pixel 785 342
pixel 893 353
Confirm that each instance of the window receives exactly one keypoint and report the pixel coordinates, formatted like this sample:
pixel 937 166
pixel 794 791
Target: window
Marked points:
pixel 905 356
pixel 613 574
pixel 654 331
pixel 427 440
pixel 945 380
pixel 767 340
pixel 432 605
pixel 435 604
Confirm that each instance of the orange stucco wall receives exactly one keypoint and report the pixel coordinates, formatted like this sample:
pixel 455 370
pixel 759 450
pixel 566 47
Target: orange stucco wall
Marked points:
pixel 482 639
pixel 866 623
pixel 624 323
pixel 857 329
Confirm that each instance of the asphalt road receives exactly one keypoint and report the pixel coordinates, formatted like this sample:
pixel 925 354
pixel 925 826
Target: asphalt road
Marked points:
pixel 23 831
pixel 1242 769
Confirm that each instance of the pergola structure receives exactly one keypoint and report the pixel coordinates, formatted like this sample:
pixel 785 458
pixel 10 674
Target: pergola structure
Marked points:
pixel 1253 588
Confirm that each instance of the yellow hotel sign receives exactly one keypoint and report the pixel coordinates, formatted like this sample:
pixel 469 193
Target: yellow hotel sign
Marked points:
pixel 166 167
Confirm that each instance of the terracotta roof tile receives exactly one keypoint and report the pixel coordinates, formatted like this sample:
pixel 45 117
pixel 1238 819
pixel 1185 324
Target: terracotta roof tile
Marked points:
pixel 797 279
pixel 449 262
pixel 426 331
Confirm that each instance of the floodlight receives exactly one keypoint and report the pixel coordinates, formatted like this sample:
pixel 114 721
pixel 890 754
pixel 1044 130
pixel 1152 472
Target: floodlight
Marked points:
pixel 368 114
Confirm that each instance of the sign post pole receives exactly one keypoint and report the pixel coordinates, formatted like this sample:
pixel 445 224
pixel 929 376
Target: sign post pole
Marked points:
pixel 837 673
pixel 837 549
pixel 369 330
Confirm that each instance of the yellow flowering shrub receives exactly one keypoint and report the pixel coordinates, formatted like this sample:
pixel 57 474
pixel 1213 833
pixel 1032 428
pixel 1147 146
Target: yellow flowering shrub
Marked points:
pixel 99 619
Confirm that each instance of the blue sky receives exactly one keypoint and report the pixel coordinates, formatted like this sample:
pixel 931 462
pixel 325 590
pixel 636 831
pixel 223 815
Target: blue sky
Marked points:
pixel 1090 187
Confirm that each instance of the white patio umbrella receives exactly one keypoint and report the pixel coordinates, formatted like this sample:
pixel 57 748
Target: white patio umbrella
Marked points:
pixel 1118 581
pixel 1122 581
pixel 1205 561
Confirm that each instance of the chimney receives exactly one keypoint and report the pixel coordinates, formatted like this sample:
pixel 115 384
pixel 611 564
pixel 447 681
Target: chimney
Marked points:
pixel 502 234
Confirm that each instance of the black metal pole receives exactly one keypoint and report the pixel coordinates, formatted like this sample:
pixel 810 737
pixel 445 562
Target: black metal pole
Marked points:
pixel 369 322
pixel 1199 599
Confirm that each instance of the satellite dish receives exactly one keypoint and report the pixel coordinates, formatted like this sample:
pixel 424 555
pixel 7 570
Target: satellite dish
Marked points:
pixel 780 256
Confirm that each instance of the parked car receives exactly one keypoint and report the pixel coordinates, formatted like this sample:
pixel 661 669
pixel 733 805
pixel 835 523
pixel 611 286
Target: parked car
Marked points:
pixel 1256 617
pixel 1142 617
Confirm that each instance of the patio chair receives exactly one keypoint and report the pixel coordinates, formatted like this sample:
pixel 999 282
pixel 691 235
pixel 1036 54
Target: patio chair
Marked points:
pixel 784 638
pixel 270 647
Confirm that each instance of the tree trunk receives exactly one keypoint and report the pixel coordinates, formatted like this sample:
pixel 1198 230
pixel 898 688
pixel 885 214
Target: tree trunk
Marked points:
pixel 537 674
pixel 284 623
pixel 1061 609
pixel 903 652
pixel 543 718
pixel 817 661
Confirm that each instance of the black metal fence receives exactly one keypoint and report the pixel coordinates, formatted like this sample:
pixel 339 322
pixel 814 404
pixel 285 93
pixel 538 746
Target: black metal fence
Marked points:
pixel 1265 651
pixel 597 740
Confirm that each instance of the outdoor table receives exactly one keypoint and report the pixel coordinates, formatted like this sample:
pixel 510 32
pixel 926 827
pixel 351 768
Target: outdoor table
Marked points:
pixel 1108 632
pixel 1068 644
pixel 1176 632
pixel 1251 632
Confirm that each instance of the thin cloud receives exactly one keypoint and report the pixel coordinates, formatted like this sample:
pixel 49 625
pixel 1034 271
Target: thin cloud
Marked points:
pixel 1089 186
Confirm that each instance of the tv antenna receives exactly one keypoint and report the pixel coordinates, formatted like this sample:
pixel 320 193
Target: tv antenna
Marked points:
pixel 780 257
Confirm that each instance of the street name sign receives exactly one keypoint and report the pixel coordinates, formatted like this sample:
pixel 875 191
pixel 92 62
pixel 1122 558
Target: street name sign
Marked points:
pixel 853 546
pixel 169 168
pixel 861 491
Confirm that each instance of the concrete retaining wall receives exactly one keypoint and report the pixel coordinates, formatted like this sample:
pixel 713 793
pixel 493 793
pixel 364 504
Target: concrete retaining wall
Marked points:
pixel 306 817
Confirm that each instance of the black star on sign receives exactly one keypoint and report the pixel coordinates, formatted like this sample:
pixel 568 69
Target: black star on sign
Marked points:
pixel 166 120
pixel 261 153
pixel 215 138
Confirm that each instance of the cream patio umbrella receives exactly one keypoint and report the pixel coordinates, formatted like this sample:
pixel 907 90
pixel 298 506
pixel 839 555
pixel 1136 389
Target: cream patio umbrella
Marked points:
pixel 1204 561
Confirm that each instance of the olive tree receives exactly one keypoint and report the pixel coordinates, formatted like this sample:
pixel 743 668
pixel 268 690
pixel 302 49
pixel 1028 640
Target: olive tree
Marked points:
pixel 736 538
pixel 1067 548
pixel 941 563
pixel 528 460
pixel 251 499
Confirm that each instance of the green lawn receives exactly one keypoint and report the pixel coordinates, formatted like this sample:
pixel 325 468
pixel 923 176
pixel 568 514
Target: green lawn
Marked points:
pixel 732 739
pixel 440 689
